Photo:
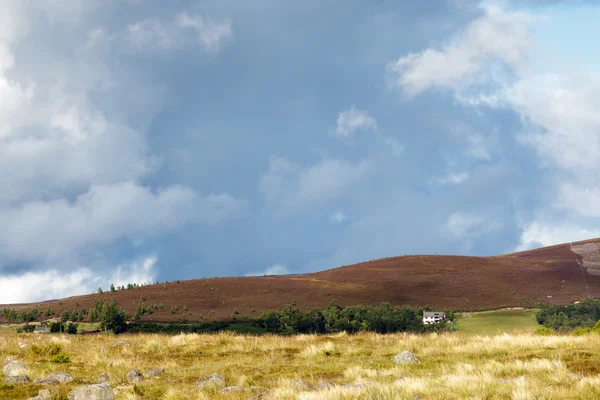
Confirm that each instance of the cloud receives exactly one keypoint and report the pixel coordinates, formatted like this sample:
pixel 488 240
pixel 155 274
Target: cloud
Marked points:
pixel 498 36
pixel 276 269
pixel 49 231
pixel 351 120
pixel 338 217
pixel 287 186
pixel 73 165
pixel 187 29
pixel 454 178
pixel 461 224
pixel 395 146
pixel 53 283
pixel 539 233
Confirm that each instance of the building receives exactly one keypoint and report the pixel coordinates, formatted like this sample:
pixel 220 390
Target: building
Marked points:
pixel 433 317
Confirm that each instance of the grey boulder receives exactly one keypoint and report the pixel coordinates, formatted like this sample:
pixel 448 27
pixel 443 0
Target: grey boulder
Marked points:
pixel 15 368
pixel 211 380
pixel 406 358
pixel 101 391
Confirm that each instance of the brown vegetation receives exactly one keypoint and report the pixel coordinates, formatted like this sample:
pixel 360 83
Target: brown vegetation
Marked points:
pixel 464 283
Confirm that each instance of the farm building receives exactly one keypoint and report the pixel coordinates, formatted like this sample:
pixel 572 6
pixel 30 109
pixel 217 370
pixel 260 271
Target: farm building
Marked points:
pixel 433 317
pixel 41 329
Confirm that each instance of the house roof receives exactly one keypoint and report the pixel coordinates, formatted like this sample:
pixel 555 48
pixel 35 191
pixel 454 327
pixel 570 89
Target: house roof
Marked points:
pixel 434 314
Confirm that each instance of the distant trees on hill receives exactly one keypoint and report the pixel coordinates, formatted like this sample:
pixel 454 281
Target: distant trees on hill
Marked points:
pixel 584 314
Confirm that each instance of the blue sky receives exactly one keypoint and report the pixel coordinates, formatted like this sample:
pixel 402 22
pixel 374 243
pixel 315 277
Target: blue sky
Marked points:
pixel 150 140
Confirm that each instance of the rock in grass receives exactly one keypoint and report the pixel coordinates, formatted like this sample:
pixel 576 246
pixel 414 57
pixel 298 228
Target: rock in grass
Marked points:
pixel 55 378
pixel 15 368
pixel 231 389
pixel 154 372
pixel 43 394
pixel 102 391
pixel 211 380
pixel 17 379
pixel 302 385
pixel 135 376
pixel 406 358
pixel 103 378
pixel 323 385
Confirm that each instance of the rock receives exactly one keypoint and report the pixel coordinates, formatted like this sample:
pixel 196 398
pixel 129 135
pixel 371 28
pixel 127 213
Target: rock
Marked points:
pixel 7 360
pixel 576 377
pixel 406 358
pixel 16 379
pixel 15 368
pixel 55 378
pixel 416 397
pixel 135 376
pixel 211 380
pixel 154 372
pixel 302 385
pixel 324 385
pixel 120 343
pixel 231 389
pixel 103 378
pixel 101 391
pixel 42 395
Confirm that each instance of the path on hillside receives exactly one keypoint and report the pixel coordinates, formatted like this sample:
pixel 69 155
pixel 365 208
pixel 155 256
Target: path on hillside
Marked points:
pixel 587 291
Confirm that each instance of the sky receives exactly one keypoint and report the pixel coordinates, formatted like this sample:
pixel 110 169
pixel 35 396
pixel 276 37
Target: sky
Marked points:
pixel 143 140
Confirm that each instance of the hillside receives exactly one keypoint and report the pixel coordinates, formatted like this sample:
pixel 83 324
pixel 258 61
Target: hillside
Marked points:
pixel 558 274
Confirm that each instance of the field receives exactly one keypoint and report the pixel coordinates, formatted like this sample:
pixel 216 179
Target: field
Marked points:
pixel 453 366
pixel 550 274
pixel 497 322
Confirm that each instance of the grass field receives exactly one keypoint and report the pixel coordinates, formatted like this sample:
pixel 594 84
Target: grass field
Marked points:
pixel 453 366
pixel 497 322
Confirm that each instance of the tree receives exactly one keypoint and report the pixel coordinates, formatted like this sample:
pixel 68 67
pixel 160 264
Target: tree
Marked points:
pixel 100 291
pixel 112 287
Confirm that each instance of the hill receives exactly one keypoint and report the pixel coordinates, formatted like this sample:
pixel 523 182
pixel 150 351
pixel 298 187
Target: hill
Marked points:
pixel 558 274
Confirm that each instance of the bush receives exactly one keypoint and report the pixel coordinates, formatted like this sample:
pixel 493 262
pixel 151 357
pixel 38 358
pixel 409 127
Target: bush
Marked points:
pixel 582 331
pixel 543 331
pixel 72 329
pixel 48 350
pixel 28 328
pixel 60 358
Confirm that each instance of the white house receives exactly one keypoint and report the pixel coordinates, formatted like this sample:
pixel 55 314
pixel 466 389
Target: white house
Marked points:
pixel 434 317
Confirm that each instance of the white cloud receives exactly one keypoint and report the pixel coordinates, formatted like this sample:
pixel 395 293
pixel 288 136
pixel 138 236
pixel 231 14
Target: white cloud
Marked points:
pixel 48 231
pixel 353 119
pixel 338 217
pixel 53 283
pixel 209 33
pixel 461 224
pixel 499 36
pixel 540 234
pixel 186 30
pixel 71 164
pixel 277 269
pixel 287 186
pixel 395 146
pixel 477 148
pixel 454 178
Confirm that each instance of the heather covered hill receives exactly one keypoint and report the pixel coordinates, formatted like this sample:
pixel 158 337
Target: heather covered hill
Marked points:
pixel 557 274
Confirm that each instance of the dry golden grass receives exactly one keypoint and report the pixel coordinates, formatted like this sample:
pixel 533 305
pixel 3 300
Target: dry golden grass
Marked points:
pixel 453 366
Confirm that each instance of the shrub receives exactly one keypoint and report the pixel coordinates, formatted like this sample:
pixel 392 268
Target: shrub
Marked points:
pixel 60 358
pixel 72 329
pixel 48 350
pixel 582 331
pixel 543 331
pixel 27 328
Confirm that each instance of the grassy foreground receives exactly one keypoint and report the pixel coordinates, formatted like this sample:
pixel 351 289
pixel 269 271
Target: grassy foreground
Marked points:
pixel 453 366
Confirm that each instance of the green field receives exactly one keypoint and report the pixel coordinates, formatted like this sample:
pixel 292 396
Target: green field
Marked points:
pixel 497 322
